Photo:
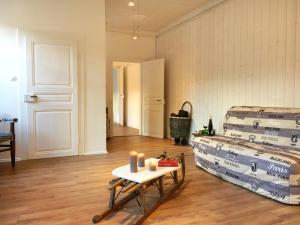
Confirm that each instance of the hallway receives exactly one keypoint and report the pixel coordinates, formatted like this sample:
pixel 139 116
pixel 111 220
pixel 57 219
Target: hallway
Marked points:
pixel 121 131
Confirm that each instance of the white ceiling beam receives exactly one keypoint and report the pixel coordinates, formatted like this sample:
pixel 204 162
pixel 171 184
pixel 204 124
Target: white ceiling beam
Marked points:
pixel 190 16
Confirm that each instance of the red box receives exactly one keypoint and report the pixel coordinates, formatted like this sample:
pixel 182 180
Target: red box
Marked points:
pixel 168 163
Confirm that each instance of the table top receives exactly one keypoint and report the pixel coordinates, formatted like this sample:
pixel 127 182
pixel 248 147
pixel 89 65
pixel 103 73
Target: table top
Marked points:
pixel 143 175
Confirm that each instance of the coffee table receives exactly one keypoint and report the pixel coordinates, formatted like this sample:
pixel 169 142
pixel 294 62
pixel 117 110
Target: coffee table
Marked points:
pixel 135 185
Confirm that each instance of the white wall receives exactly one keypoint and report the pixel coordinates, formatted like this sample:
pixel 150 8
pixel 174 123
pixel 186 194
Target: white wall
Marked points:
pixel 133 95
pixel 9 86
pixel 122 48
pixel 241 52
pixel 85 22
pixel 8 72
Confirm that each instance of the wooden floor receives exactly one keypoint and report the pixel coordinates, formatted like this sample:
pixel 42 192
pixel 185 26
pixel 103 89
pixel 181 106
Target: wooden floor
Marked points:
pixel 69 191
pixel 121 131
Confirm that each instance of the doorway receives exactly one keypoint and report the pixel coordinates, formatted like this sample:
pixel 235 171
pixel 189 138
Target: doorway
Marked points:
pixel 126 77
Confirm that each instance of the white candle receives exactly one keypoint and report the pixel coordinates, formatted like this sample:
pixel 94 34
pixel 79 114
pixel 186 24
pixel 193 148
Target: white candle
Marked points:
pixel 141 160
pixel 133 161
pixel 152 166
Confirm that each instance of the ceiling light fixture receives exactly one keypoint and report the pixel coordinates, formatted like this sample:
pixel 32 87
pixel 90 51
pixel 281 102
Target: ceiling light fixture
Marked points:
pixel 131 4
pixel 135 37
pixel 135 20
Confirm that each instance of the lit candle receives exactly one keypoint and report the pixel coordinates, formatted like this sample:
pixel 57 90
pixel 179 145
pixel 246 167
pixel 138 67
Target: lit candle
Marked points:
pixel 152 166
pixel 141 160
pixel 133 161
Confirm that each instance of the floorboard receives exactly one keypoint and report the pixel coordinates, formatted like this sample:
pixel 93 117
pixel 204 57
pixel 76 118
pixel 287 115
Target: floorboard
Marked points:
pixel 70 190
pixel 120 131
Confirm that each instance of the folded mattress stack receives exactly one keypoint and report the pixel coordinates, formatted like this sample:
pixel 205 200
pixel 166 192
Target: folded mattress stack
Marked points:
pixel 258 150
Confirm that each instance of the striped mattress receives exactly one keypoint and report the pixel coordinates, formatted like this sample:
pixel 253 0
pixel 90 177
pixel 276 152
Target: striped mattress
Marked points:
pixel 258 150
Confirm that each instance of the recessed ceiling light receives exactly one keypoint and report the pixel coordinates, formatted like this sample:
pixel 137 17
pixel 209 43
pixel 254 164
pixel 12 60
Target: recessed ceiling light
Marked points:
pixel 135 37
pixel 131 4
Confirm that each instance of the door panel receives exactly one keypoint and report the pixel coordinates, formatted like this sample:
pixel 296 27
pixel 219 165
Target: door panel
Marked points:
pixel 51 65
pixel 52 80
pixel 48 136
pixel 55 98
pixel 153 98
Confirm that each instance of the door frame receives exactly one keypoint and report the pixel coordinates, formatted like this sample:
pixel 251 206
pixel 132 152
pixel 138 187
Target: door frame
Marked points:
pixel 79 95
pixel 141 94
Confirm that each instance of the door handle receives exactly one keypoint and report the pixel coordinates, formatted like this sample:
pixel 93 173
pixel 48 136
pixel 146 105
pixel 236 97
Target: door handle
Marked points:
pixel 30 98
pixel 160 101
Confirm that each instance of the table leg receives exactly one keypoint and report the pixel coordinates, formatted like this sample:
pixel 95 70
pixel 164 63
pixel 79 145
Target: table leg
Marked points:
pixel 142 200
pixel 161 186
pixel 175 177
pixel 116 206
pixel 112 198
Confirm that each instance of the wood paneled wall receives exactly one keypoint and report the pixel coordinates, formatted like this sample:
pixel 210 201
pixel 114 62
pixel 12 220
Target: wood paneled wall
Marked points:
pixel 241 52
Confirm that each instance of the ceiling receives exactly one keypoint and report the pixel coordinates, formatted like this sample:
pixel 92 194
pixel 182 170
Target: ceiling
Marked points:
pixel 149 15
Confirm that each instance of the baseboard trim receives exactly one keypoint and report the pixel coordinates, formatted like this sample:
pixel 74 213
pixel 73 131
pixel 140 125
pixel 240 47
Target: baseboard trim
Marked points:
pixel 9 160
pixel 95 152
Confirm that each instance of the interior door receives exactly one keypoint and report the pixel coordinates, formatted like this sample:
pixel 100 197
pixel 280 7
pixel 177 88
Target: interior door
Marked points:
pixel 115 96
pixel 121 95
pixel 153 98
pixel 51 97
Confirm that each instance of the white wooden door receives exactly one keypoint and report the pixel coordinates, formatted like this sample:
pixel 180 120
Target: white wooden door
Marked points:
pixel 153 98
pixel 121 95
pixel 51 97
pixel 115 96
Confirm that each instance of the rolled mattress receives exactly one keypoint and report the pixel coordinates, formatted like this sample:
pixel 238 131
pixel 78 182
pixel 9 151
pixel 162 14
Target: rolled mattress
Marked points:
pixel 265 170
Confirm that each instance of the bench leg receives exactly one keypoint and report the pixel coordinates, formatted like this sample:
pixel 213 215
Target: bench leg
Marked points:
pixel 13 153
